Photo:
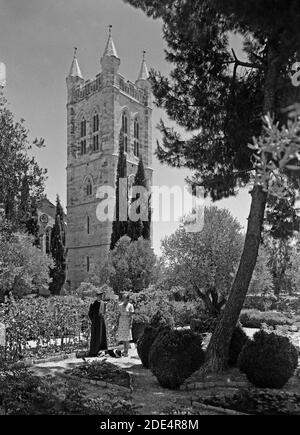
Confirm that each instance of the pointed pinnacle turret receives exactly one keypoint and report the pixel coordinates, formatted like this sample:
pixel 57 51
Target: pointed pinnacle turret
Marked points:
pixel 75 70
pixel 110 49
pixel 144 73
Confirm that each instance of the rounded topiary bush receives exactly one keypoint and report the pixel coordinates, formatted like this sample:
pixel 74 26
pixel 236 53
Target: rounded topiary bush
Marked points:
pixel 144 344
pixel 238 341
pixel 158 322
pixel 174 356
pixel 269 360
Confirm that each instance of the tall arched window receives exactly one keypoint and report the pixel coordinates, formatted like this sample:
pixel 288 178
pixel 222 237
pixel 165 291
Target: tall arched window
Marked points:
pixel 96 132
pixel 89 187
pixel 136 138
pixel 83 128
pixel 83 137
pixel 48 240
pixel 88 224
pixel 72 121
pixel 87 264
pixel 125 131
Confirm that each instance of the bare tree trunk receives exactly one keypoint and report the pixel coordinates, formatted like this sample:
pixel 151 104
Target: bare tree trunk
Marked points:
pixel 218 349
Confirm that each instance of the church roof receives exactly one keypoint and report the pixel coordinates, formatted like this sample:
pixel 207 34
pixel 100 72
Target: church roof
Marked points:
pixel 75 70
pixel 144 73
pixel 110 49
pixel 46 206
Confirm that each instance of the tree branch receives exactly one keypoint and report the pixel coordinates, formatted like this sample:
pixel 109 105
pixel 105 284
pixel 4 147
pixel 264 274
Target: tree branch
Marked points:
pixel 245 64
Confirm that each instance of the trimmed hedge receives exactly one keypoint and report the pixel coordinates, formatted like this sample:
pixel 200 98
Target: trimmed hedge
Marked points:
pixel 269 360
pixel 144 344
pixel 158 322
pixel 255 318
pixel 174 356
pixel 238 341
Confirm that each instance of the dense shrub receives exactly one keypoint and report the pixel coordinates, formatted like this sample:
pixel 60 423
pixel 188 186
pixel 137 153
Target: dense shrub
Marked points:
pixel 162 319
pixel 261 302
pixel 43 320
pixel 289 304
pixel 148 302
pixel 269 360
pixel 144 344
pixel 174 356
pixel 184 312
pixel 238 341
pixel 204 324
pixel 255 318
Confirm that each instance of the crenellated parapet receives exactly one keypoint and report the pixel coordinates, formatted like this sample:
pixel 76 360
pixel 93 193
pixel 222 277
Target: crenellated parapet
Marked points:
pixel 84 90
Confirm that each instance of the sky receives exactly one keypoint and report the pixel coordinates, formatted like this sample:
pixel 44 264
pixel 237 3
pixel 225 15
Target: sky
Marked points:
pixel 36 44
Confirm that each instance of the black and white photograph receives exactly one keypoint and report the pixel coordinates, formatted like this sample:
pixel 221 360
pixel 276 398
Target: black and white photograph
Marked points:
pixel 149 211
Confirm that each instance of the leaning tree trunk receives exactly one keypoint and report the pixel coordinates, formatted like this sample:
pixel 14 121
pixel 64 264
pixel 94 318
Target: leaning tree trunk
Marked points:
pixel 217 353
pixel 218 349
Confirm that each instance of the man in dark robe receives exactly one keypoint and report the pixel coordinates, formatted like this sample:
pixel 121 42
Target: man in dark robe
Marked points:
pixel 98 329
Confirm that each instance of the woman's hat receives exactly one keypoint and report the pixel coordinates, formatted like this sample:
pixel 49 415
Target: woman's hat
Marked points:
pixel 99 292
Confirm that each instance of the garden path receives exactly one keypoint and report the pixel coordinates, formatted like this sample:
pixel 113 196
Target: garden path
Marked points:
pixel 148 395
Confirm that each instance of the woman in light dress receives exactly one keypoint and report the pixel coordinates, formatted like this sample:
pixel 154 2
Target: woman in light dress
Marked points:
pixel 124 333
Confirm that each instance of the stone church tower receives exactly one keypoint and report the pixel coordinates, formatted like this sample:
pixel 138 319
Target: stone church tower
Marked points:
pixel 97 111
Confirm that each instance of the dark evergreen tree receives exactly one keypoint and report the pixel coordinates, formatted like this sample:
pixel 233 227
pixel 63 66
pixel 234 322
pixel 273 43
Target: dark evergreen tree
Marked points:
pixel 221 97
pixel 139 228
pixel 27 216
pixel 58 250
pixel 32 223
pixel 147 224
pixel 120 227
pixel 24 203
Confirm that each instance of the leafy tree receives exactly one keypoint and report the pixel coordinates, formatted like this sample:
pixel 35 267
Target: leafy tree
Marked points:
pixel 130 265
pixel 205 261
pixel 221 99
pixel 24 268
pixel 119 227
pixel 20 175
pixel 139 228
pixel 284 263
pixel 262 280
pixel 58 250
pixel 279 238
pixel 292 274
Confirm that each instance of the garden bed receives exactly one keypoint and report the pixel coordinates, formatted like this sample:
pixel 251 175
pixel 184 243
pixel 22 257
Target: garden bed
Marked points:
pixel 101 373
pixel 255 402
